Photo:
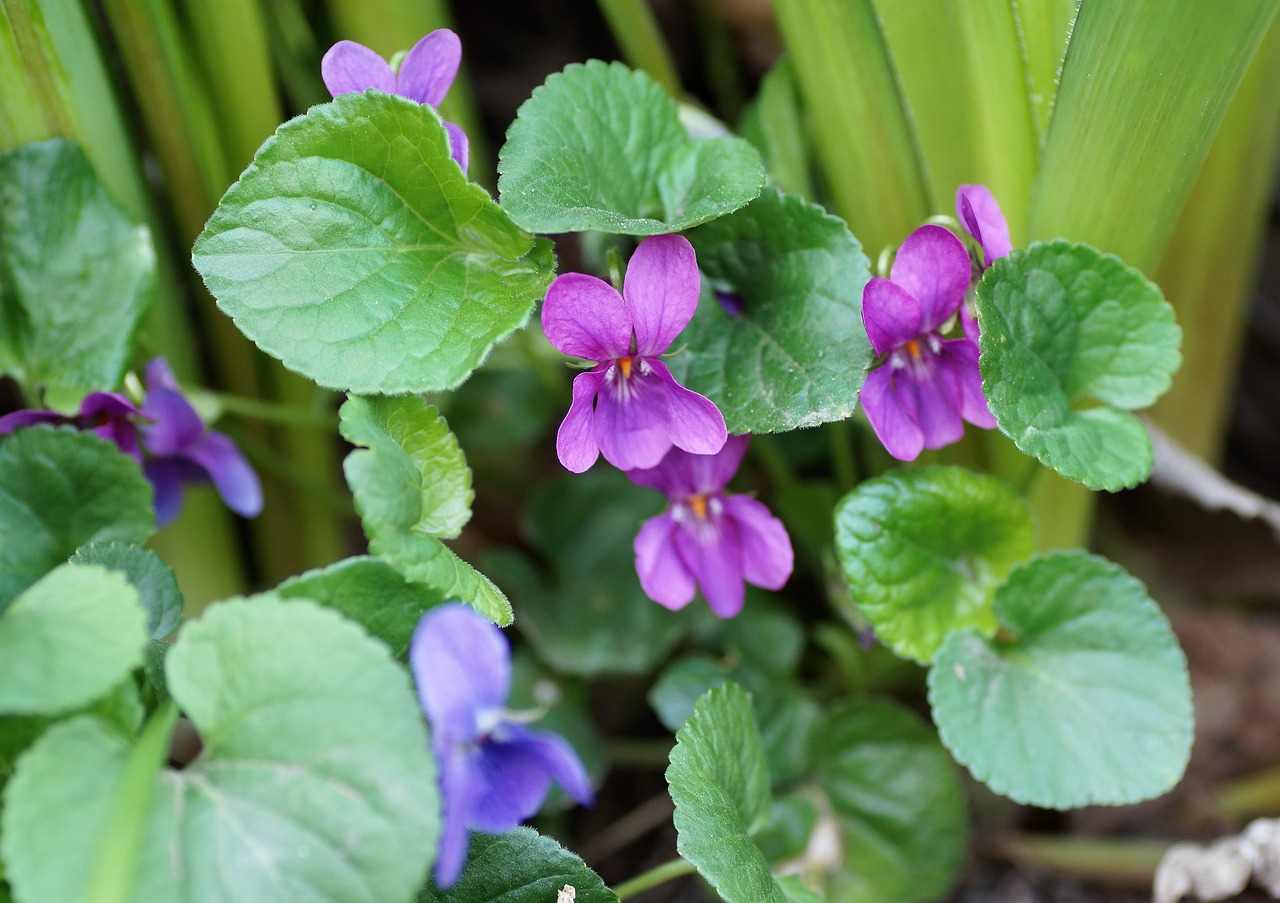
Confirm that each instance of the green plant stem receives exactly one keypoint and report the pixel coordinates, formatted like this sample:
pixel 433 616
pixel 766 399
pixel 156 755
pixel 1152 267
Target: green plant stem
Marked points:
pixel 638 35
pixel 1251 795
pixel 661 874
pixel 1130 862
pixel 637 752
pixel 273 412
pixel 843 462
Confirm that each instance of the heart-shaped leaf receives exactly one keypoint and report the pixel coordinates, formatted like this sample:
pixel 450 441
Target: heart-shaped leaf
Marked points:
pixel 924 550
pixel 156 585
pixel 793 352
pixel 1065 327
pixel 600 146
pixel 520 866
pixel 60 489
pixel 315 780
pixel 354 249
pixel 1086 701
pixel 75 275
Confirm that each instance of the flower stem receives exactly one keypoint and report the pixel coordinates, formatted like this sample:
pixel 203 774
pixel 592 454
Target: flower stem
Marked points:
pixel 652 878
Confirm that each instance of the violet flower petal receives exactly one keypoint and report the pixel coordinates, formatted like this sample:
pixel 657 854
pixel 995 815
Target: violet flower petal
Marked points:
pixel 892 413
pixel 584 316
pixel 510 784
pixel 576 445
pixel 429 68
pixel 672 476
pixel 459 786
pixel 166 476
pixel 938 401
pixel 711 473
pixel 767 557
pixel 159 375
pixel 663 575
pixel 231 474
pixel 694 423
pixel 349 67
pixel 962 356
pixel 631 420
pixel 661 291
pixel 30 417
pixel 712 553
pixel 983 219
pixel 933 266
pixel 176 425
pixel 461 664
pixel 560 761
pixel 459 146
pixel 891 316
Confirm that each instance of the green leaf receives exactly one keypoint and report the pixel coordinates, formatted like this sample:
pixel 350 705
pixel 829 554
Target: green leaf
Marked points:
pixel 370 592
pixel 1065 328
pixel 900 807
pixel 413 476
pixel 590 616
pixel 75 275
pixel 355 250
pixel 412 486
pixel 157 587
pixel 68 639
pixel 718 781
pixel 923 551
pixel 315 780
pixel 600 146
pixel 60 489
pixel 792 819
pixel 797 354
pixel 520 866
pixel 1087 701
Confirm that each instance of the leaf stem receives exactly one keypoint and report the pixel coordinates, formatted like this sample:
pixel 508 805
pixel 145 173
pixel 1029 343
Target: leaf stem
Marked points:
pixel 658 875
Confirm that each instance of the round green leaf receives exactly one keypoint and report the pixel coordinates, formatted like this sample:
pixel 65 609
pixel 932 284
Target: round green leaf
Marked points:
pixel 521 866
pixel 151 577
pixel 900 808
pixel 1086 702
pixel 68 639
pixel 923 551
pixel 60 489
pixel 1072 339
pixel 75 275
pixel 720 786
pixel 315 781
pixel 370 592
pixel 355 250
pixel 412 485
pixel 600 146
pixel 797 353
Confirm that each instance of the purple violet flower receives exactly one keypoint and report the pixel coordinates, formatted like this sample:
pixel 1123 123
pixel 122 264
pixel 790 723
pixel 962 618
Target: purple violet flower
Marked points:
pixel 917 398
pixel 425 76
pixel 175 447
pixel 629 407
pixel 708 539
pixel 494 772
pixel 978 211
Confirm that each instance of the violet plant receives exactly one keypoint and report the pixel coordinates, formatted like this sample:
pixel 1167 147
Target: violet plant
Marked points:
pixel 356 251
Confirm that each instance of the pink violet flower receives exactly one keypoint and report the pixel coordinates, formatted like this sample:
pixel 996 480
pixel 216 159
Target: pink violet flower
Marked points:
pixel 425 75
pixel 927 385
pixel 628 407
pixel 981 217
pixel 494 771
pixel 167 437
pixel 707 539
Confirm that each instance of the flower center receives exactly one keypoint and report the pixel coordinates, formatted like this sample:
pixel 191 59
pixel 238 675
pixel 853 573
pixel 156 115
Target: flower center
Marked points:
pixel 624 364
pixel 913 347
pixel 699 505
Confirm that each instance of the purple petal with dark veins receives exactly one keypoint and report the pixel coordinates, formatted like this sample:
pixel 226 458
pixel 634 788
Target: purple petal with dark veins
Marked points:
pixel 976 207
pixel 429 68
pixel 350 67
pixel 889 313
pixel 938 401
pixel 230 472
pixel 176 426
pixel 712 552
pixel 461 665
pixel 459 146
pixel 663 575
pixel 933 267
pixel 961 355
pixel 511 784
pixel 681 474
pixel 892 413
pixel 767 557
pixel 558 759
pixel 694 423
pixel 576 445
pixel 632 420
pixel 583 316
pixel 661 291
